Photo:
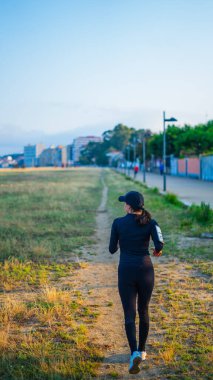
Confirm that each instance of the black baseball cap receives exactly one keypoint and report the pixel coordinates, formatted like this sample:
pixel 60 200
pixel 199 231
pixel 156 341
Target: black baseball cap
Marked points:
pixel 134 199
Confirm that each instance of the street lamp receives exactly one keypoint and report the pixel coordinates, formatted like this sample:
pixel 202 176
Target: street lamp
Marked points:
pixel 143 141
pixel 164 146
pixel 128 156
pixel 134 146
pixel 144 159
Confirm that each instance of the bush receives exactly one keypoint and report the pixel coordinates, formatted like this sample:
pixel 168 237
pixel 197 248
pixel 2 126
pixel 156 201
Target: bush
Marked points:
pixel 202 213
pixel 155 190
pixel 173 199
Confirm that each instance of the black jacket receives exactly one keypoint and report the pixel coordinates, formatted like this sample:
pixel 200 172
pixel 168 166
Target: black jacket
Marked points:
pixel 133 238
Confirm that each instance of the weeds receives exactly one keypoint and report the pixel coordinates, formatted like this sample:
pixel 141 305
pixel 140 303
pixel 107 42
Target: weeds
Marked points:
pixel 205 268
pixel 202 213
pixel 16 274
pixel 173 199
pixel 155 190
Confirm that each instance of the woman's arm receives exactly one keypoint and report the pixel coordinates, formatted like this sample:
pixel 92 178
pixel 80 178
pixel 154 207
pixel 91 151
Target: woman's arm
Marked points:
pixel 113 244
pixel 157 238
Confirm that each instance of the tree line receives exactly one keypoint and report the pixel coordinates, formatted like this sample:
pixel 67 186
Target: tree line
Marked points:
pixel 180 141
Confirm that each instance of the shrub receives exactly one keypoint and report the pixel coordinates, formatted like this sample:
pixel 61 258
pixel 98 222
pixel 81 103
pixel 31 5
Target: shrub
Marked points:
pixel 155 190
pixel 202 213
pixel 173 199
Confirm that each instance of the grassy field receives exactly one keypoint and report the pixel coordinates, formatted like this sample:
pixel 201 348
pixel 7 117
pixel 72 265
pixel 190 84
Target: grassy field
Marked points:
pixel 44 213
pixel 46 217
pixel 180 308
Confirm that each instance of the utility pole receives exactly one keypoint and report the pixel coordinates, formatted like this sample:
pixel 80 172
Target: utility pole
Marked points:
pixel 134 149
pixel 128 147
pixel 144 159
pixel 164 152
pixel 171 119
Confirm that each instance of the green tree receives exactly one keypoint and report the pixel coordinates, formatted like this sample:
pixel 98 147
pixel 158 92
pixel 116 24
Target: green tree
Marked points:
pixel 121 136
pixel 94 153
pixel 185 140
pixel 196 140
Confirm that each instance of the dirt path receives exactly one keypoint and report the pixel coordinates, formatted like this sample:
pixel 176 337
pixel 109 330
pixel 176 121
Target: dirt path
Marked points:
pixel 98 283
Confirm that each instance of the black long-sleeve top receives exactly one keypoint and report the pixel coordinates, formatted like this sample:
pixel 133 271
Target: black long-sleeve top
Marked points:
pixel 134 238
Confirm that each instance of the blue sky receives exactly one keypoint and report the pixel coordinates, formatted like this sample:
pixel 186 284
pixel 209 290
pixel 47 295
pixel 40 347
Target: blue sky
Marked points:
pixel 76 67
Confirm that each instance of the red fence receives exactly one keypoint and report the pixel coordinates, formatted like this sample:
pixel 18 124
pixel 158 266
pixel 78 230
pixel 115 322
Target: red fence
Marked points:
pixel 182 166
pixel 188 167
pixel 193 166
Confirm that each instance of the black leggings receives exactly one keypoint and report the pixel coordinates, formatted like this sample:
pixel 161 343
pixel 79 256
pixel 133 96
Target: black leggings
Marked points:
pixel 136 280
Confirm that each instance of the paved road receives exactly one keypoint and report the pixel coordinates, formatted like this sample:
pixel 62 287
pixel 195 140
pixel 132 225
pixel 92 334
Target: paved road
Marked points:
pixel 187 189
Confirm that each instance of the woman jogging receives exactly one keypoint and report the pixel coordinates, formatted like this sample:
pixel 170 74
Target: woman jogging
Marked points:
pixel 135 271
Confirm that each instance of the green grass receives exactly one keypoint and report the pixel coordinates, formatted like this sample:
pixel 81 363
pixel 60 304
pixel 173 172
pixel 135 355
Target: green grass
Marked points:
pixel 15 274
pixel 46 217
pixel 173 199
pixel 202 213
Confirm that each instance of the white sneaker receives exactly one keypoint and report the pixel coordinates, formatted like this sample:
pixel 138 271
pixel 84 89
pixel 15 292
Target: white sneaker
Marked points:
pixel 135 360
pixel 142 355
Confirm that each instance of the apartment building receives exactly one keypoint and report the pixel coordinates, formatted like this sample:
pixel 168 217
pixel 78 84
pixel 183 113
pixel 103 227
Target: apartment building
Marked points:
pixel 31 154
pixel 70 154
pixel 54 156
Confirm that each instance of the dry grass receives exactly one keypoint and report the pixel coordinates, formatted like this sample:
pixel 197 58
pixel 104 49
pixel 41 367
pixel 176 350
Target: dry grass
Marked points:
pixel 180 312
pixel 43 320
pixel 49 333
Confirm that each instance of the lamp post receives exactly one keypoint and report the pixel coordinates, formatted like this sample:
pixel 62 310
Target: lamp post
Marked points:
pixel 142 141
pixel 164 146
pixel 144 159
pixel 128 157
pixel 134 144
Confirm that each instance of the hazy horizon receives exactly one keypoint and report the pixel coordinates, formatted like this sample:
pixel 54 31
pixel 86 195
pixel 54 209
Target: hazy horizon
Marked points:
pixel 74 68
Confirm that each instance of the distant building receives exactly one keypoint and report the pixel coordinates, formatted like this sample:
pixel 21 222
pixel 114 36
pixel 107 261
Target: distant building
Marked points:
pixel 15 160
pixel 54 156
pixel 31 154
pixel 7 162
pixel 81 142
pixel 47 157
pixel 70 154
pixel 63 152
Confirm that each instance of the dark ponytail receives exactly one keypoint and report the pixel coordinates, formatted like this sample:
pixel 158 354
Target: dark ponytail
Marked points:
pixel 143 218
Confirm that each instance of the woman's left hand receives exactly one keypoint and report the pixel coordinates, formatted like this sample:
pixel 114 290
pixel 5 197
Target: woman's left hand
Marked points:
pixel 157 254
